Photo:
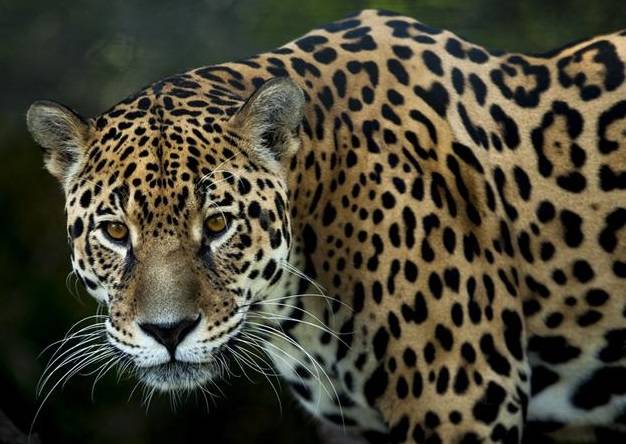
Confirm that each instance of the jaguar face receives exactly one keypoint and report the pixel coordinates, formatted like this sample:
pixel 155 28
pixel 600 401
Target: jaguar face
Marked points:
pixel 177 216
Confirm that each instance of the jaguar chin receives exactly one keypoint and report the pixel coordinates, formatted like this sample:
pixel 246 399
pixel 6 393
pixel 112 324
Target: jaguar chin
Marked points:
pixel 177 375
pixel 186 372
pixel 171 356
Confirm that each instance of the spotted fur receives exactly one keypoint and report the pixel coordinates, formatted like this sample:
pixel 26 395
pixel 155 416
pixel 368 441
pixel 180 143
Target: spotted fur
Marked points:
pixel 462 210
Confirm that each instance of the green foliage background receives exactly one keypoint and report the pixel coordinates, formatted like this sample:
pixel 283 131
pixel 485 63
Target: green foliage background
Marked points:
pixel 90 54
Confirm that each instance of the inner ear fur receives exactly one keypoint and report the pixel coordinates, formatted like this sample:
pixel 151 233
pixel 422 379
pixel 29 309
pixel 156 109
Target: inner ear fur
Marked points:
pixel 61 133
pixel 270 118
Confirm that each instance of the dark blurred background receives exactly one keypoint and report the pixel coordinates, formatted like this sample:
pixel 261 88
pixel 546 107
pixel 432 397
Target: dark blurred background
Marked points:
pixel 90 54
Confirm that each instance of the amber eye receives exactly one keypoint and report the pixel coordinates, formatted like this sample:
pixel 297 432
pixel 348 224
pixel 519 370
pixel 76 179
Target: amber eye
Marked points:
pixel 215 225
pixel 117 231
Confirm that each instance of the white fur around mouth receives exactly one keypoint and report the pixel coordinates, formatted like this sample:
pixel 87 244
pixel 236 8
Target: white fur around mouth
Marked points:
pixel 177 375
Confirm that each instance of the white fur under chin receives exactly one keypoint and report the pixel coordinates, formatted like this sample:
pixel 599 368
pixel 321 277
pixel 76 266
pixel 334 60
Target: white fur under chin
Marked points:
pixel 176 376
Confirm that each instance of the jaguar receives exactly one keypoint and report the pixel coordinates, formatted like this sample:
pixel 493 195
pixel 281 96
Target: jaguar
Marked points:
pixel 426 239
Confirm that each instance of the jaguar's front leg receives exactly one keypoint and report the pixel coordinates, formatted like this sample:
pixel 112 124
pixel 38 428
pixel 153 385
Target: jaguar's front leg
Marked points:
pixel 455 386
pixel 491 410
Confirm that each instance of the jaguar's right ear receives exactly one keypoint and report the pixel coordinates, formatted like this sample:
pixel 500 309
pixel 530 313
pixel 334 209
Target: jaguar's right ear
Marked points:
pixel 61 133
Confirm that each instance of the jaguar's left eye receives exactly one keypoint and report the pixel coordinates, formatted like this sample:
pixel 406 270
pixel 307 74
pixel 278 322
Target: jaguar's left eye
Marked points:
pixel 215 225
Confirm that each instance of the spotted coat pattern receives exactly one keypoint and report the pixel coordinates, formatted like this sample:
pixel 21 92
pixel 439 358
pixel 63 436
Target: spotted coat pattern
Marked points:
pixel 462 210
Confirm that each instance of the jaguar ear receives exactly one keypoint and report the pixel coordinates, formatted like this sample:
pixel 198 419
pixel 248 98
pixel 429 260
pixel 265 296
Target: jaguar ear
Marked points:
pixel 270 118
pixel 61 133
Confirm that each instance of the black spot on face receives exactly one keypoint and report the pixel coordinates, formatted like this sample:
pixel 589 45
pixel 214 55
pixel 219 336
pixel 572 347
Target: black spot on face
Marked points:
pixel 77 228
pixel 85 199
pixel 541 378
pixel 615 348
pixel 605 383
pixel 553 349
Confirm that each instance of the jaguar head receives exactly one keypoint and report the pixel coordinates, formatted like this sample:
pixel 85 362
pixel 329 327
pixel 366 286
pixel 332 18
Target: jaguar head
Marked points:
pixel 177 215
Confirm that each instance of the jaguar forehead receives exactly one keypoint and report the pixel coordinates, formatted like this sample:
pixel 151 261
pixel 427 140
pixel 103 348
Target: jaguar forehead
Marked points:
pixel 160 168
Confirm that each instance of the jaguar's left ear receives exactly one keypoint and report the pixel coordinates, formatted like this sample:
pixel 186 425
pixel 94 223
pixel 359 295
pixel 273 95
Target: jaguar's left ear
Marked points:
pixel 270 118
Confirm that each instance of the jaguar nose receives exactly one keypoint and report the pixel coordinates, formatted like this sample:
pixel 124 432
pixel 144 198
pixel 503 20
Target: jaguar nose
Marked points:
pixel 171 334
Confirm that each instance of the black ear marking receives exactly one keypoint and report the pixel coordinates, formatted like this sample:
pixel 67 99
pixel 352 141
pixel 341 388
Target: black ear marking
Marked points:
pixel 61 133
pixel 271 116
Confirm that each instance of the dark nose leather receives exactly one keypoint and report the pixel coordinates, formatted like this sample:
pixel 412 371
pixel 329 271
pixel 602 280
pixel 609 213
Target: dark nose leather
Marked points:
pixel 170 335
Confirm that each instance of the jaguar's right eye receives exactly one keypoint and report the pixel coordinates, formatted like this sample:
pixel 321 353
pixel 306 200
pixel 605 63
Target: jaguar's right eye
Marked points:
pixel 215 225
pixel 116 231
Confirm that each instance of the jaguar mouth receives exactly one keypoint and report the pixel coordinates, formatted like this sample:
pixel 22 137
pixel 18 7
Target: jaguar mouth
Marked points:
pixel 178 375
pixel 172 371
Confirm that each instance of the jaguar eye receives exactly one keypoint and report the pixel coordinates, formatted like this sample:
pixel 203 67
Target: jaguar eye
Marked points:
pixel 215 225
pixel 117 231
